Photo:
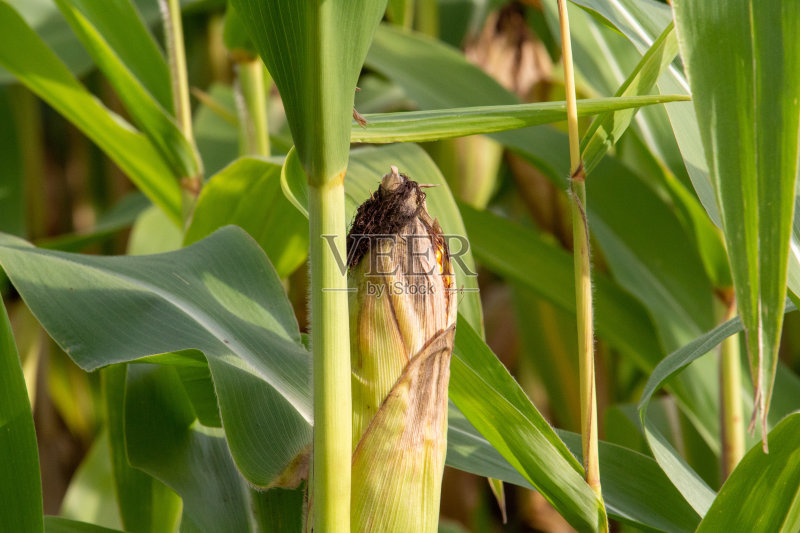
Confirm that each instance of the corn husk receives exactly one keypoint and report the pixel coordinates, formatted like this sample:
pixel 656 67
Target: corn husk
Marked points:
pixel 402 319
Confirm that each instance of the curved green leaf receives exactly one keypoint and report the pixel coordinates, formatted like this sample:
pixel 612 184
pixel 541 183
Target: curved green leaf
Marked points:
pixel 763 492
pixel 683 477
pixel 126 53
pixel 42 72
pixel 248 193
pixel 433 125
pixel 192 459
pixel 20 484
pixel 498 407
pixel 220 296
pixel 663 510
pixel 145 504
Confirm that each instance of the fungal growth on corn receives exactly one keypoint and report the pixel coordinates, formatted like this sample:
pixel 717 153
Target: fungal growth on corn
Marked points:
pixel 402 326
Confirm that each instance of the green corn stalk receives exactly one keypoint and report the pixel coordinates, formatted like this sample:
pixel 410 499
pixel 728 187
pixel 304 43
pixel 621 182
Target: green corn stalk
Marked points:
pixel 402 326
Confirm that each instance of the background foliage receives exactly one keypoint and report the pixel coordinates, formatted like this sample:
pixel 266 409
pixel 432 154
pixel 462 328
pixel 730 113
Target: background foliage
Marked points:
pixel 172 392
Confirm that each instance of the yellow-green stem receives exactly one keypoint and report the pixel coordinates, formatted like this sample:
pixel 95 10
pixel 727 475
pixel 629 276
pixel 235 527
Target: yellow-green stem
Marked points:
pixel 252 78
pixel 176 52
pixel 733 445
pixel 331 347
pixel 583 273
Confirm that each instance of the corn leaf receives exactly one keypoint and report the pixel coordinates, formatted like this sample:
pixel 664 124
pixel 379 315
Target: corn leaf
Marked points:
pixel 433 125
pixel 608 127
pixel 752 153
pixel 42 72
pixel 192 459
pixel 696 492
pixel 664 509
pixel 300 42
pixel 486 393
pixel 248 193
pixel 20 482
pixel 123 49
pixel 220 296
pixel 762 494
pixel 145 504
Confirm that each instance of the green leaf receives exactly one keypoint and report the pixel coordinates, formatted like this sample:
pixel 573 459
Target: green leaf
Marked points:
pixel 145 504
pixel 752 153
pixel 220 296
pixel 123 49
pixel 762 494
pixel 192 459
pixel 607 128
pixel 683 477
pixel 248 193
pixel 44 18
pixel 642 21
pixel 496 405
pixel 54 524
pixel 42 72
pixel 433 125
pixel 20 484
pixel 301 42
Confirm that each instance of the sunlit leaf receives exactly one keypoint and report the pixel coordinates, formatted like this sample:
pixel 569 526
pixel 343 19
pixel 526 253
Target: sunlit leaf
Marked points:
pixel 42 72
pixel 751 153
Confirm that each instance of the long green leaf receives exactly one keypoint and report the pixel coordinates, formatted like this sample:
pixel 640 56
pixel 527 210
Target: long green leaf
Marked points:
pixel 42 72
pixel 298 42
pixel 220 296
pixel 486 393
pixel 192 459
pixel 433 125
pixel 607 128
pixel 145 504
pixel 126 53
pixel 663 509
pixel 752 153
pixel 248 193
pixel 43 17
pixel 763 492
pixel 696 492
pixel 20 484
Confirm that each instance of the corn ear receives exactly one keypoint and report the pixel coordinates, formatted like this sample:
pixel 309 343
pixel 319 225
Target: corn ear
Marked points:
pixel 402 321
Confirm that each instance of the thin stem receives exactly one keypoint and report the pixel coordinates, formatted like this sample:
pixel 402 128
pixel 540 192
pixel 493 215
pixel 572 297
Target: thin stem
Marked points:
pixel 252 77
pixel 733 444
pixel 331 349
pixel 176 51
pixel 583 273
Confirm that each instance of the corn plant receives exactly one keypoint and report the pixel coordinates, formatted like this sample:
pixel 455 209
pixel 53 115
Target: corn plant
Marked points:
pixel 283 266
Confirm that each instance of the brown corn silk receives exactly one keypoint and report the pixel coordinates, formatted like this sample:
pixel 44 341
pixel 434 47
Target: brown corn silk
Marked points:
pixel 402 322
